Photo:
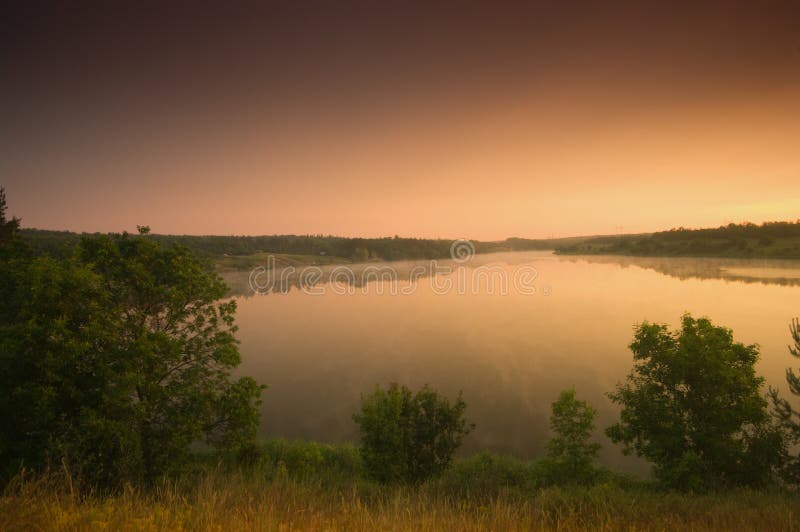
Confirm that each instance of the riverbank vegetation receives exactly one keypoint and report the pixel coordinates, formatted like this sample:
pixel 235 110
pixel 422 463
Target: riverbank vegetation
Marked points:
pixel 773 240
pixel 306 486
pixel 121 410
pixel 314 249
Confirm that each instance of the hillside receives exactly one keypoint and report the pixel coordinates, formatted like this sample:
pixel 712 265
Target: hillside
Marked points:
pixel 774 240
pixel 241 251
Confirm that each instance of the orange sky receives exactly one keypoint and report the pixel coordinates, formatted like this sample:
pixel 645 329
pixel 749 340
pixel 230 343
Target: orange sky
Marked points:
pixel 478 125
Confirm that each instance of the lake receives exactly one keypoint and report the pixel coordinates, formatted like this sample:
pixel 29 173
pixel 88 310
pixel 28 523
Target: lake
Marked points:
pixel 557 322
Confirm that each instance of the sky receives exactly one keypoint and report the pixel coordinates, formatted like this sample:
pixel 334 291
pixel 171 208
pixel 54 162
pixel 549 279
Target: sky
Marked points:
pixel 450 120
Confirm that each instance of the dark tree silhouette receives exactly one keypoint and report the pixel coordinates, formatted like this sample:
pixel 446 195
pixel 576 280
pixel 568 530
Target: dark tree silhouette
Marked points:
pixel 788 417
pixel 7 227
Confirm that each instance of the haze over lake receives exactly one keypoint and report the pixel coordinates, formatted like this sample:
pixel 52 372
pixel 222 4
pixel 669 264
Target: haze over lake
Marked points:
pixel 510 354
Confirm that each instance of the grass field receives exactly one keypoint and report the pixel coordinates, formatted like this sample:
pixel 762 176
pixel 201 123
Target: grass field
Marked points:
pixel 308 486
pixel 240 501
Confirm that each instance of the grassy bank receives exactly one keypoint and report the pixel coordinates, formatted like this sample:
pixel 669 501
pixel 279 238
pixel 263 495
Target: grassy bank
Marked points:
pixel 237 501
pixel 310 486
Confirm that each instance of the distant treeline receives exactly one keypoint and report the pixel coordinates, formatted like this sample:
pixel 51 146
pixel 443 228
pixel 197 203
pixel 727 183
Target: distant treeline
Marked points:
pixel 747 240
pixel 59 244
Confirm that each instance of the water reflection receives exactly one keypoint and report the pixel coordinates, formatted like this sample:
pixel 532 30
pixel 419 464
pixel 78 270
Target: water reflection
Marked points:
pixel 766 271
pixel 482 272
pixel 282 279
pixel 510 354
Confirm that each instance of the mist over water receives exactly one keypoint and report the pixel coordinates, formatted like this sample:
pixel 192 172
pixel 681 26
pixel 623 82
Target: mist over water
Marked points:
pixel 509 353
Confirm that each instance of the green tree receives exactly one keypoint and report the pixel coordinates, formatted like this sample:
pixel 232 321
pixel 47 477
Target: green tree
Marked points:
pixel 570 448
pixel 788 417
pixel 57 339
pixel 361 254
pixel 409 437
pixel 118 360
pixel 692 405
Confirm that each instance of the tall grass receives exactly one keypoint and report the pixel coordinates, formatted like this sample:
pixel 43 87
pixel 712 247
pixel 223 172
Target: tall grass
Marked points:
pixel 319 487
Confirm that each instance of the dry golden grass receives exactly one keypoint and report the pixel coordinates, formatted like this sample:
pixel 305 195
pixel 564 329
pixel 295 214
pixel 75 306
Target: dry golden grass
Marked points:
pixel 243 501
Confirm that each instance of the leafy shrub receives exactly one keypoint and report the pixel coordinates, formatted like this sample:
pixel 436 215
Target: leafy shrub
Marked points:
pixel 250 454
pixel 409 437
pixel 570 449
pixel 486 475
pixel 304 460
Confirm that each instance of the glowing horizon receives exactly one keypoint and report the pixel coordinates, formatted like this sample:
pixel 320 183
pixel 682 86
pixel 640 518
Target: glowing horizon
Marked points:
pixel 425 123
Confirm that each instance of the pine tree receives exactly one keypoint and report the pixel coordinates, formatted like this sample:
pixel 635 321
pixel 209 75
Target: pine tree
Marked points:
pixel 7 227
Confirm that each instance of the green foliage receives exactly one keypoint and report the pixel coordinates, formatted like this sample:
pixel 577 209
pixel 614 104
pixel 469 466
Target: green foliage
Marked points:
pixel 360 254
pixel 58 243
pixel 692 405
pixel 333 463
pixel 747 240
pixel 322 248
pixel 570 449
pixel 58 336
pixel 483 476
pixel 787 416
pixel 408 437
pixel 487 475
pixel 117 360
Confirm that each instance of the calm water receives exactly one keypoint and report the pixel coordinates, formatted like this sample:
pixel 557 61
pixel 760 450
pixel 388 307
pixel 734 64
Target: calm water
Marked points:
pixel 509 353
